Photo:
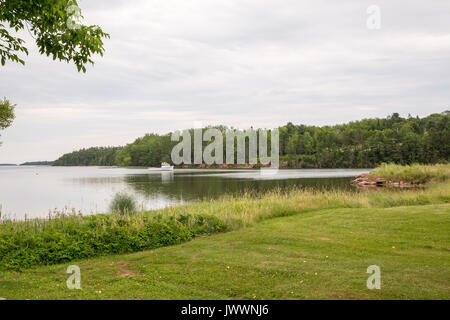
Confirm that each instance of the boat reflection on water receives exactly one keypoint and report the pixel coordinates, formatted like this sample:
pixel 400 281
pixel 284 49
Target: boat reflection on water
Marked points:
pixel 166 176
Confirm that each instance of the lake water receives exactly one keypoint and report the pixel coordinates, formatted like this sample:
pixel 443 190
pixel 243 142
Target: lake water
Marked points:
pixel 37 190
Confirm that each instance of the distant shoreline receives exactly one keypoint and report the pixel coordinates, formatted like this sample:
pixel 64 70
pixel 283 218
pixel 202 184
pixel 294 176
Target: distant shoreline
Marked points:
pixel 32 163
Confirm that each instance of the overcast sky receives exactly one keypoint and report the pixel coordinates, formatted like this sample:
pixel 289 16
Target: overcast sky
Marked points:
pixel 261 63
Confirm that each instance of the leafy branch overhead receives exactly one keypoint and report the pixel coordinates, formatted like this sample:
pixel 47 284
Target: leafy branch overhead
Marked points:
pixel 6 113
pixel 55 26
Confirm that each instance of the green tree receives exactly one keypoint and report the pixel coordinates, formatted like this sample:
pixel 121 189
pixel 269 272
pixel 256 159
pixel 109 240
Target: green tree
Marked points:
pixel 365 143
pixel 293 143
pixel 6 114
pixel 307 143
pixel 55 26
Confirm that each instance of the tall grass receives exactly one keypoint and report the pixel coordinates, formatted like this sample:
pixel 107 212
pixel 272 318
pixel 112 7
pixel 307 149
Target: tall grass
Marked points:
pixel 70 237
pixel 414 173
pixel 237 212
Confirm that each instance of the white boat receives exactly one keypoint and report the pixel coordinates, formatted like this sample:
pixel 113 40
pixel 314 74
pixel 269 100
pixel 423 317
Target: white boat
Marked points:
pixel 164 167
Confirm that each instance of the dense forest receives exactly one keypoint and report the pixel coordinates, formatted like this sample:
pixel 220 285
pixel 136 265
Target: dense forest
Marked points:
pixel 102 156
pixel 358 144
pixel 37 163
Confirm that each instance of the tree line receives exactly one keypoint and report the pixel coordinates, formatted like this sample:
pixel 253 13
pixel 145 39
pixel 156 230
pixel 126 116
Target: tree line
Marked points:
pixel 358 144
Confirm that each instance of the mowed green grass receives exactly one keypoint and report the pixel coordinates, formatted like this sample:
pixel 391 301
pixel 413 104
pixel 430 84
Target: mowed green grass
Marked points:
pixel 320 254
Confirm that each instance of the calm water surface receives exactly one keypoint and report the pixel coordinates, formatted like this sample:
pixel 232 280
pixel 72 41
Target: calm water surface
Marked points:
pixel 36 191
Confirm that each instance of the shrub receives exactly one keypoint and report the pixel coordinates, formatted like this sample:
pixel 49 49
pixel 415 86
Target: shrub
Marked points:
pixel 66 238
pixel 123 203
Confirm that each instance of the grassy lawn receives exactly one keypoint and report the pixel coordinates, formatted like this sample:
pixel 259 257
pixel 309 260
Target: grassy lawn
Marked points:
pixel 65 238
pixel 317 254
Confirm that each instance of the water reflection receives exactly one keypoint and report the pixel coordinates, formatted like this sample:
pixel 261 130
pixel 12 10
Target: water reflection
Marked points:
pixel 36 190
pixel 166 177
pixel 196 186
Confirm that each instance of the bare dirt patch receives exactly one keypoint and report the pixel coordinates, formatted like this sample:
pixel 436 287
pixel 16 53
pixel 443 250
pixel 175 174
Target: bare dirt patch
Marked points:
pixel 325 239
pixel 124 271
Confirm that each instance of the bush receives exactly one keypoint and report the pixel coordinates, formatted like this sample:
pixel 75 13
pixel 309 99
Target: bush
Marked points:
pixel 67 238
pixel 123 203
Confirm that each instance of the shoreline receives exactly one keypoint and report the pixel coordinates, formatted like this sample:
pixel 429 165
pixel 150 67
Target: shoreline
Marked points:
pixel 53 241
pixel 248 233
pixel 403 177
pixel 365 181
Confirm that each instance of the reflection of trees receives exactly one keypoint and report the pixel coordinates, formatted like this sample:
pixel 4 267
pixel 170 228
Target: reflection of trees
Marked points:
pixel 194 187
pixel 96 180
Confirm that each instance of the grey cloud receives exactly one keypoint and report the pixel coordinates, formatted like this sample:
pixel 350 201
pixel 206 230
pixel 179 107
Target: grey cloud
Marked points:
pixel 237 62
